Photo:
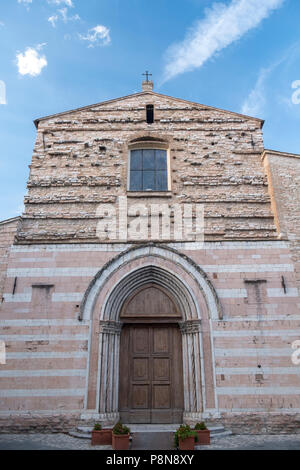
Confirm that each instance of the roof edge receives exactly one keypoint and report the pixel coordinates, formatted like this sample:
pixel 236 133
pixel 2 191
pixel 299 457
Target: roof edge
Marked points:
pixel 8 221
pixel 279 154
pixel 36 121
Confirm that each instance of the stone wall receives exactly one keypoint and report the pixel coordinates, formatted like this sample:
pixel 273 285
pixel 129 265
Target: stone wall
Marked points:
pixel 36 422
pixel 262 423
pixel 8 229
pixel 246 423
pixel 283 170
pixel 80 160
pixel 48 347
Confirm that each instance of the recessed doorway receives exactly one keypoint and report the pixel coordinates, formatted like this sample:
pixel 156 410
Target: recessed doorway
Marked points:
pixel 150 374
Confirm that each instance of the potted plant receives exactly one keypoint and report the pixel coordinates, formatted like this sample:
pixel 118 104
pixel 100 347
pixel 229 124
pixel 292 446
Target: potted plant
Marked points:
pixel 101 437
pixel 120 437
pixel 185 438
pixel 203 433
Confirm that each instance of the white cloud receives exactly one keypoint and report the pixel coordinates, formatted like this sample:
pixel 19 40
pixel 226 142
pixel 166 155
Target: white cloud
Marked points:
pixel 68 3
pixel 221 26
pixel 256 101
pixel 26 3
pixel 31 62
pixel 53 19
pixel 62 14
pixel 66 18
pixel 40 46
pixel 97 36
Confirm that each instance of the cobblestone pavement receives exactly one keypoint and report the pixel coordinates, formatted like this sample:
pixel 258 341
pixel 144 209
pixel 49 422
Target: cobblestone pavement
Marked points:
pixel 46 442
pixel 65 442
pixel 255 442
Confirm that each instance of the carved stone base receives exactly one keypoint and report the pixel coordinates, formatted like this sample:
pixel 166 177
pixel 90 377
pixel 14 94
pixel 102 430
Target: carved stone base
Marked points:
pixel 107 419
pixel 193 418
pixel 211 414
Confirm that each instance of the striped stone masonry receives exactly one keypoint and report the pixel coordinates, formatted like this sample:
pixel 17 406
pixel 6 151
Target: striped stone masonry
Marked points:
pixel 47 346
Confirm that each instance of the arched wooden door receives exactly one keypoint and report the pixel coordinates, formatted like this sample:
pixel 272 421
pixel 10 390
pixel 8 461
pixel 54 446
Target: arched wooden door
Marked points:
pixel 150 377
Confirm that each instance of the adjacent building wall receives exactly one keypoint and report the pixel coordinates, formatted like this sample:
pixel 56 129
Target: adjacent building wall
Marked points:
pixel 283 170
pixel 8 229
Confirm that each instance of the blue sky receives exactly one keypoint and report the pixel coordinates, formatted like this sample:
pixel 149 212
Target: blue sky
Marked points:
pixel 240 55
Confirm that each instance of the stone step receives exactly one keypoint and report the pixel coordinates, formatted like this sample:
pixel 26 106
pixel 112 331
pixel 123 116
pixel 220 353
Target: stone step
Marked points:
pixel 216 429
pixel 137 428
pixel 84 432
pixel 85 429
pixel 80 435
pixel 221 434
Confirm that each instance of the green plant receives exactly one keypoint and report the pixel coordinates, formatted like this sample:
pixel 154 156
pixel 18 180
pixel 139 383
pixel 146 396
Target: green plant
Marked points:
pixel 119 428
pixel 183 432
pixel 97 427
pixel 200 426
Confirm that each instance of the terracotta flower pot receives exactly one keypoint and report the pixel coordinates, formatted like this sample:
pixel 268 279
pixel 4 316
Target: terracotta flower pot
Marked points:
pixel 120 441
pixel 102 437
pixel 187 444
pixel 203 436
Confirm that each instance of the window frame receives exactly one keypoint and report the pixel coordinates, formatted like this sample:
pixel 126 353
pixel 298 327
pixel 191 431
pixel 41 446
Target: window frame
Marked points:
pixel 150 112
pixel 149 146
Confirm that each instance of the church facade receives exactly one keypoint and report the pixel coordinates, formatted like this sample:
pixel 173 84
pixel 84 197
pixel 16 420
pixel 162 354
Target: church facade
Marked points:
pixel 154 275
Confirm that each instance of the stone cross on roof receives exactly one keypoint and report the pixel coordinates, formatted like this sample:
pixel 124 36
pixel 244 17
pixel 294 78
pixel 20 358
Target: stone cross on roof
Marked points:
pixel 147 74
pixel 147 85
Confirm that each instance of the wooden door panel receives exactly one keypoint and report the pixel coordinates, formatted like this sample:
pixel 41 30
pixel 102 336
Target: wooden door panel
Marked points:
pixel 140 396
pixel 141 340
pixel 140 369
pixel 161 340
pixel 161 397
pixel 150 301
pixel 151 389
pixel 161 368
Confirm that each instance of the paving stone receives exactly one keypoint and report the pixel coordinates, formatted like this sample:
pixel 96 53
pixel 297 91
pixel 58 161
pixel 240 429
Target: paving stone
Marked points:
pixel 151 441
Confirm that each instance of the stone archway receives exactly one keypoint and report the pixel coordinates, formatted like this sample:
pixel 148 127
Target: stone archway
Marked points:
pixel 198 303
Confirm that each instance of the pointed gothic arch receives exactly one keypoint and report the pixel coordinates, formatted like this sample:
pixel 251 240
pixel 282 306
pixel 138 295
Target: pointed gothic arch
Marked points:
pixel 189 288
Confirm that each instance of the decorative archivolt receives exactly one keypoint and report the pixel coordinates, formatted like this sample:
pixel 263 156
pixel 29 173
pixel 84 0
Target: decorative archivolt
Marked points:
pixel 154 271
pixel 143 276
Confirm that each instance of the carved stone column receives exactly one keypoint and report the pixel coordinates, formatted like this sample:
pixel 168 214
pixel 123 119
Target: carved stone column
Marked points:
pixel 108 372
pixel 192 383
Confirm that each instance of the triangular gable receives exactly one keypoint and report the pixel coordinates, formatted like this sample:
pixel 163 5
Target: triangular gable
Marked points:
pixel 143 94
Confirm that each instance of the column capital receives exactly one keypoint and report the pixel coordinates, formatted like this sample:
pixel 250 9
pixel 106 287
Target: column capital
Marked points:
pixel 110 327
pixel 190 326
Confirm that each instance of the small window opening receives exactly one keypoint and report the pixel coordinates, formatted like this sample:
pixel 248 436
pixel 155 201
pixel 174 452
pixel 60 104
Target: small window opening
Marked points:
pixel 150 113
